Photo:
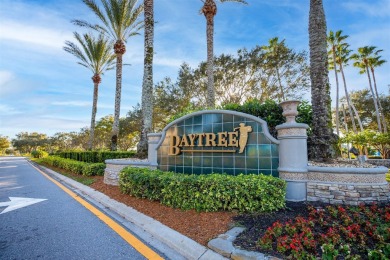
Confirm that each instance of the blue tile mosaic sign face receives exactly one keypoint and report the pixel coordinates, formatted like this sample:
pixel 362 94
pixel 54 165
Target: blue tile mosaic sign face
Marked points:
pixel 218 141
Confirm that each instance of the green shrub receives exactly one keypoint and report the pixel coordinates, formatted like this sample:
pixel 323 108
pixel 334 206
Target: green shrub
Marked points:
pixel 212 192
pixel 82 168
pixel 39 154
pixel 90 169
pixel 94 156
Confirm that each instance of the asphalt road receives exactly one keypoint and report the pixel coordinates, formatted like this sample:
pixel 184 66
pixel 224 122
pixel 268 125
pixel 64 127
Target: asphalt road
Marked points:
pixel 57 227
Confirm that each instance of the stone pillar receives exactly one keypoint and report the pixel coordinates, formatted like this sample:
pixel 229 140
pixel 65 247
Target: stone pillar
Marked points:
pixel 293 152
pixel 153 140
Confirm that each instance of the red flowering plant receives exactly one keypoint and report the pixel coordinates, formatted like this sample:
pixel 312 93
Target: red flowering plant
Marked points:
pixel 360 229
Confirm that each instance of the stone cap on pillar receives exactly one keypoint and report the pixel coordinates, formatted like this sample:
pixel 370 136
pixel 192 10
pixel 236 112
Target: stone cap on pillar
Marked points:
pixel 154 138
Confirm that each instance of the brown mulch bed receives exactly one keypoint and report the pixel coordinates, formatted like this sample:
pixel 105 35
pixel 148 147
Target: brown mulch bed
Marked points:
pixel 199 226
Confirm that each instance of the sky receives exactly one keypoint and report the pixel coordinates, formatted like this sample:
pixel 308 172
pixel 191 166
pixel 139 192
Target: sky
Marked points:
pixel 43 89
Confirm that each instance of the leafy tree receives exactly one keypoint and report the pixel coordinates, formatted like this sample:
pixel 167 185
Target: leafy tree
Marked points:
pixel 362 62
pixel 4 144
pixel 285 68
pixel 209 10
pixel 380 141
pixel 103 132
pixel 120 21
pixel 95 54
pixel 246 75
pixel 320 148
pixel 275 55
pixel 27 142
pixel 61 141
pixel 147 83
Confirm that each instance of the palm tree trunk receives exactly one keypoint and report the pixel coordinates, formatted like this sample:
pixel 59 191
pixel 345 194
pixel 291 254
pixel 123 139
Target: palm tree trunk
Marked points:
pixel 350 104
pixel 118 90
pixel 209 10
pixel 379 102
pixel 147 84
pixel 320 91
pixel 378 120
pixel 346 128
pixel 337 92
pixel 96 81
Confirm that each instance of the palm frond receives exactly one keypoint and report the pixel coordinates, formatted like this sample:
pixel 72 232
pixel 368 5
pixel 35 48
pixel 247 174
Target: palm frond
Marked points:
pixel 95 52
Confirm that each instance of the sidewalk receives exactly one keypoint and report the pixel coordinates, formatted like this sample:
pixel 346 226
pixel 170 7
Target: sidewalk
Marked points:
pixel 166 240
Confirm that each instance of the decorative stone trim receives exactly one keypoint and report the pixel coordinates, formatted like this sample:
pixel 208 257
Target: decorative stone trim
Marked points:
pixel 344 178
pixel 293 176
pixel 291 132
pixel 347 175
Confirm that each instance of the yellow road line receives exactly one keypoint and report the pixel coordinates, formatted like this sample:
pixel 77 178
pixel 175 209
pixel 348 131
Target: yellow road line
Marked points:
pixel 128 237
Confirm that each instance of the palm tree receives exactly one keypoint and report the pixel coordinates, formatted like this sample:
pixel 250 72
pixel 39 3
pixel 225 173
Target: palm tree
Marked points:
pixel 374 62
pixel 362 62
pixel 320 93
pixel 95 54
pixel 209 10
pixel 147 84
pixel 120 21
pixel 334 39
pixel 342 59
pixel 274 54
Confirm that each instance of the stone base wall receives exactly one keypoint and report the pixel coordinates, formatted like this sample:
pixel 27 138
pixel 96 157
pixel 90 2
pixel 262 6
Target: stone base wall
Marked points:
pixel 349 186
pixel 380 162
pixel 113 168
pixel 348 194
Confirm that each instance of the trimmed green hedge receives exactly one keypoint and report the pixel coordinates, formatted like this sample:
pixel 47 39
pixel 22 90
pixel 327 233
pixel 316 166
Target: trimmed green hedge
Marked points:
pixel 94 156
pixel 82 168
pixel 211 192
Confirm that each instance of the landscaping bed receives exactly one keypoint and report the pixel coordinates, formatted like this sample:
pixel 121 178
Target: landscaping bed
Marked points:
pixel 299 232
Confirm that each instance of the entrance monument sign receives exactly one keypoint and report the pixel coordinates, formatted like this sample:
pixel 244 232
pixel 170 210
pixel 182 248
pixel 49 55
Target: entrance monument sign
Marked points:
pixel 218 141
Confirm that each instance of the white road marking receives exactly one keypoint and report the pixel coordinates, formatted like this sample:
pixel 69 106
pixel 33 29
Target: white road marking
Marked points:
pixel 17 203
pixel 11 166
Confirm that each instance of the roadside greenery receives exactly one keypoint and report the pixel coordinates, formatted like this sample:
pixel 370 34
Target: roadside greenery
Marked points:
pixel 94 156
pixel 213 192
pixel 76 167
pixel 333 232
pixel 39 154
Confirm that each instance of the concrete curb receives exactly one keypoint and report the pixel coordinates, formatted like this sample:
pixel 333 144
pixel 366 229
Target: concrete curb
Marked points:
pixel 185 246
pixel 223 244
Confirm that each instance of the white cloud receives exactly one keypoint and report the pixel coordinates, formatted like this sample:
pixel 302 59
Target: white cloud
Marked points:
pixel 71 103
pixel 45 37
pixel 8 110
pixel 5 77
pixel 379 9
